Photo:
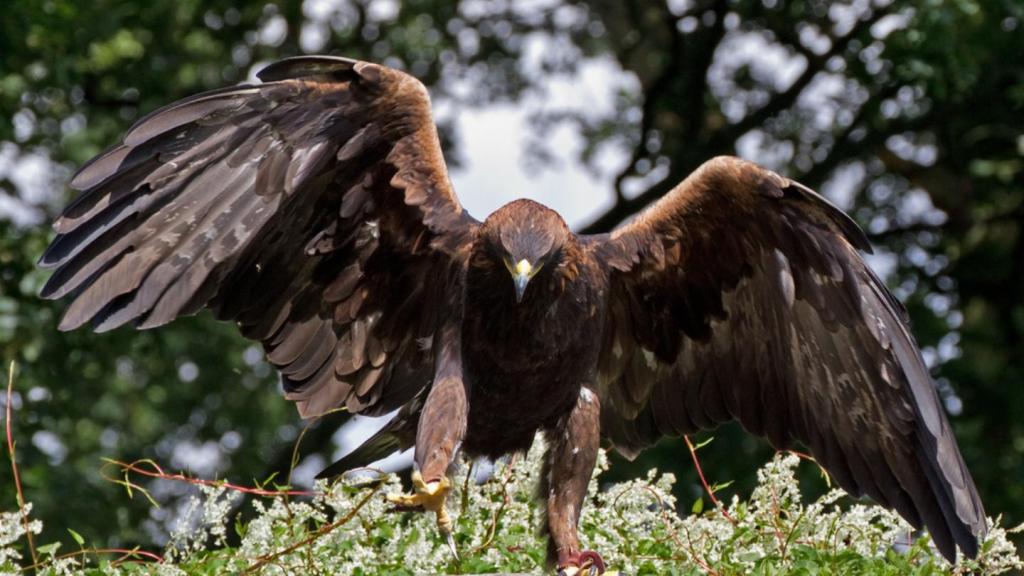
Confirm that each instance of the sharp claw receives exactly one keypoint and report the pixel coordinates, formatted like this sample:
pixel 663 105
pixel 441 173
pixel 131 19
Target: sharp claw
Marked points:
pixel 451 545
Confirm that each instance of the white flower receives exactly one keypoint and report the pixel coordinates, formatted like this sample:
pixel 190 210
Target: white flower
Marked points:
pixel 12 528
pixel 347 528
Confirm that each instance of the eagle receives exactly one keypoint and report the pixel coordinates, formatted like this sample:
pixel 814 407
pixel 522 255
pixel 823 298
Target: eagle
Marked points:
pixel 314 210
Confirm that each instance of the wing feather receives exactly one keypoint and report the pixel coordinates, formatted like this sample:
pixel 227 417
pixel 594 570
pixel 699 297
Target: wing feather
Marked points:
pixel 314 210
pixel 741 295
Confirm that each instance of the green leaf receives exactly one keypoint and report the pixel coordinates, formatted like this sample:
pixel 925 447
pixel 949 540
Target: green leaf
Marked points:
pixel 698 506
pixel 77 537
pixel 720 486
pixel 702 444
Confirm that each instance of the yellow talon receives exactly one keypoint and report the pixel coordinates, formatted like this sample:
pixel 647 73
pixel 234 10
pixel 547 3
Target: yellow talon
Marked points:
pixel 429 497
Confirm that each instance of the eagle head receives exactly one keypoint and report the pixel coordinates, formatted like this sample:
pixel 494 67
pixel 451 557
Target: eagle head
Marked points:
pixel 526 238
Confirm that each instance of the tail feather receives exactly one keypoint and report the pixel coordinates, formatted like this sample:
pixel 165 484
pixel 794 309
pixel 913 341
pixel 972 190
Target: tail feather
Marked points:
pixel 397 435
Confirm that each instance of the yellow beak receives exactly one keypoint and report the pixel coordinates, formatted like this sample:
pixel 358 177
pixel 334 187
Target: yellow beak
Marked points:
pixel 521 277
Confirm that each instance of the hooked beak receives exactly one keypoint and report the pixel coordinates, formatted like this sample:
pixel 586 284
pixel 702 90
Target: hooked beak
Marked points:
pixel 521 277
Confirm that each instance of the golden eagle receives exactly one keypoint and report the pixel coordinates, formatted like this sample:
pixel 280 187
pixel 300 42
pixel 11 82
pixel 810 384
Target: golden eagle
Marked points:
pixel 314 210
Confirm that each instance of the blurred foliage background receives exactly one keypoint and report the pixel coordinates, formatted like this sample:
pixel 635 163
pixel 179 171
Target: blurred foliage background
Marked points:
pixel 909 114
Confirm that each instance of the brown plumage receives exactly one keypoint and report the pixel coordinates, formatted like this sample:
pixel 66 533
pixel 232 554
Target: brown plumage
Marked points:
pixel 315 211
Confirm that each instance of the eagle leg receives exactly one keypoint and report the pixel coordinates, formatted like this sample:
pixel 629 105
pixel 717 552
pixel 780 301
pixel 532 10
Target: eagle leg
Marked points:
pixel 568 466
pixel 440 431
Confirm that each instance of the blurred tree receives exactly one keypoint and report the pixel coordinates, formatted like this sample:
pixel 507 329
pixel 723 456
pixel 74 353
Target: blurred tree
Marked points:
pixel 908 114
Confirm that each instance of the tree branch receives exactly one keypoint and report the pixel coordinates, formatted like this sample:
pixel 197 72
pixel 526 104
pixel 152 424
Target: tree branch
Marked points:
pixel 843 148
pixel 916 227
pixel 724 139
pixel 629 206
pixel 697 72
pixel 701 65
pixel 652 95
pixel 815 63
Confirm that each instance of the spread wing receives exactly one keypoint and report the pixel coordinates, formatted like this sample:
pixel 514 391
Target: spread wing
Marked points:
pixel 313 209
pixel 741 295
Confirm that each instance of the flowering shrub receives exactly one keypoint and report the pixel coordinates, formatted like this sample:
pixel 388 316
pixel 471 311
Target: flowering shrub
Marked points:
pixel 347 528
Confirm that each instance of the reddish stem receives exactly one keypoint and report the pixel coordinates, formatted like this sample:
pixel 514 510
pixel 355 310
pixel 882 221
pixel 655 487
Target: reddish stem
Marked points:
pixel 704 482
pixel 126 554
pixel 158 472
pixel 14 466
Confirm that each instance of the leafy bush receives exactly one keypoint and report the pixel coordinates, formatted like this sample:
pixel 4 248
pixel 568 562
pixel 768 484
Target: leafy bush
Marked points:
pixel 347 528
